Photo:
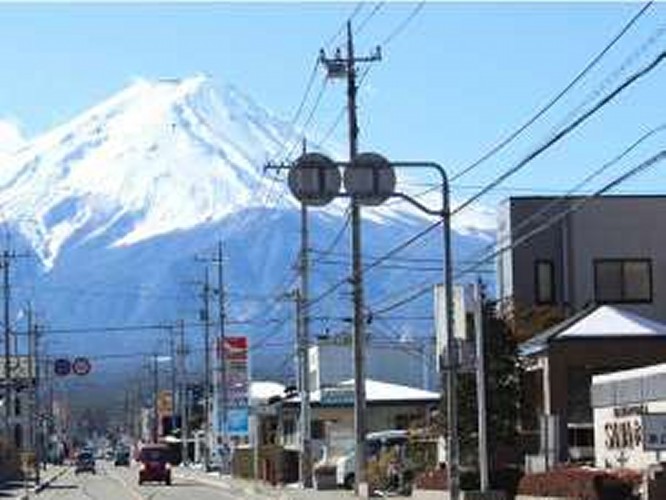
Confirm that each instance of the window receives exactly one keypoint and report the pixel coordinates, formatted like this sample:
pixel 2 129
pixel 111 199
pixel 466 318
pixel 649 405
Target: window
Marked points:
pixel 544 281
pixel 623 280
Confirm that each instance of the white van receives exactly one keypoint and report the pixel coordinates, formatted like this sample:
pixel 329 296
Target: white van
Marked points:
pixel 345 466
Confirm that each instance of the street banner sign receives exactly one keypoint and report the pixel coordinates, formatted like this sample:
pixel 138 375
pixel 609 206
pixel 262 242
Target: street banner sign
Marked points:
pixel 238 422
pixel 62 367
pixel 234 353
pixel 81 366
pixel 19 369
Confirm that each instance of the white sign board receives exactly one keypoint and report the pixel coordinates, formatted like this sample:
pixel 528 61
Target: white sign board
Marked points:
pixel 19 368
pixel 459 316
pixel 654 431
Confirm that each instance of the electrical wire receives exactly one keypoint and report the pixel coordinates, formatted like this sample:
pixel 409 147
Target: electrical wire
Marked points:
pixel 405 22
pixel 562 133
pixel 509 139
pixel 649 163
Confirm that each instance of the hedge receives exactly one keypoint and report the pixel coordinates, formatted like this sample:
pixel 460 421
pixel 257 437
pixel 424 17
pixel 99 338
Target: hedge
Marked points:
pixel 582 483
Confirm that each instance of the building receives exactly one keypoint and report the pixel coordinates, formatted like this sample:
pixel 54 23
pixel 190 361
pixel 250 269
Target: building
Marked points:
pixel 607 250
pixel 630 417
pixel 409 362
pixel 560 364
pixel 389 406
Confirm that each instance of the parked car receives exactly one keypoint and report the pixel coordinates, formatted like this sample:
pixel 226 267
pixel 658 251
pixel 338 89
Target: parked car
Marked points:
pixel 155 466
pixel 122 457
pixel 85 462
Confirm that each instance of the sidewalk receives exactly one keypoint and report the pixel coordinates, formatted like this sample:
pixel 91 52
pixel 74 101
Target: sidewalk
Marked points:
pixel 263 490
pixel 17 489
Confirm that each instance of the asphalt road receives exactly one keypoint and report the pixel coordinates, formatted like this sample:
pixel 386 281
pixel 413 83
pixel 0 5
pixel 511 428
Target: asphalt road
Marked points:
pixel 119 483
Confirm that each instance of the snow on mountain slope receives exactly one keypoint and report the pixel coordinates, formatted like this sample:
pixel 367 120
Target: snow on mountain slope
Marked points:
pixel 118 202
pixel 171 154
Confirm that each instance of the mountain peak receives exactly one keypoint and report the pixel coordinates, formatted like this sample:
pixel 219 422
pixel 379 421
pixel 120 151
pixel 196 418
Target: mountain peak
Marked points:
pixel 158 156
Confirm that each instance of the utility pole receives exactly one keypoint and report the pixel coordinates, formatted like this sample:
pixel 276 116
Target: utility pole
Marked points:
pixel 8 380
pixel 222 379
pixel 303 361
pixel 32 384
pixel 182 399
pixel 335 68
pixel 37 409
pixel 481 386
pixel 172 353
pixel 155 398
pixel 206 383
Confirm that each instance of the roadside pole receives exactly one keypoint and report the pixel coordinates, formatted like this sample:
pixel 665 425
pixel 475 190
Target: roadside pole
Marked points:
pixel 481 387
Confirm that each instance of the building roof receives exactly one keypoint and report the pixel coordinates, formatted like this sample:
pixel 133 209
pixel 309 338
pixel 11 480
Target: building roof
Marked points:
pixel 262 390
pixel 375 392
pixel 633 373
pixel 598 322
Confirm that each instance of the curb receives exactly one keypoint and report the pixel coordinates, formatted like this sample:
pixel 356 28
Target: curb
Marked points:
pixel 45 484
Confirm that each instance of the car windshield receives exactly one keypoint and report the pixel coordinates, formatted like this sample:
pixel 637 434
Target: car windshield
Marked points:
pixel 85 456
pixel 152 455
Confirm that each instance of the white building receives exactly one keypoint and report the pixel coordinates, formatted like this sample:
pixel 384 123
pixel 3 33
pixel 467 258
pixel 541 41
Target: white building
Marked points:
pixel 410 363
pixel 629 409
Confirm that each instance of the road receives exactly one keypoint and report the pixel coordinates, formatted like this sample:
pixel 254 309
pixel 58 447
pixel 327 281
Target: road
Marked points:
pixel 120 483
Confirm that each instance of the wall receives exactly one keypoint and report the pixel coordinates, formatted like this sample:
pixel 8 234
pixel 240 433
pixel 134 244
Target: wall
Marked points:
pixel 409 363
pixel 610 227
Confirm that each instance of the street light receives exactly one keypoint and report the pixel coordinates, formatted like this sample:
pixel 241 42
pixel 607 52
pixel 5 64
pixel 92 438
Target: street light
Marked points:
pixel 371 181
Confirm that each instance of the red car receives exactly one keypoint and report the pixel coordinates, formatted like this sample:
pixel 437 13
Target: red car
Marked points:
pixel 155 466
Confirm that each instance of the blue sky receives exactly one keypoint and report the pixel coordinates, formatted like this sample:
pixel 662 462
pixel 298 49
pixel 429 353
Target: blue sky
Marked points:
pixel 457 80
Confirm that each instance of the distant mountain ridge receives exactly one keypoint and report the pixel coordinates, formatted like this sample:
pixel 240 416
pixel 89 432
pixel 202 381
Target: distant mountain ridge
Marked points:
pixel 117 203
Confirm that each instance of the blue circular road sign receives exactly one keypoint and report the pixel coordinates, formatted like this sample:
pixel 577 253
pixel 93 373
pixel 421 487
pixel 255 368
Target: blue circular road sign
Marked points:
pixel 62 367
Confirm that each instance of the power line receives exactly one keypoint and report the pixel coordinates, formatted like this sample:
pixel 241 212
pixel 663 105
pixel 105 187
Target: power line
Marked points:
pixel 405 22
pixel 361 26
pixel 576 206
pixel 494 150
pixel 547 208
pixel 562 133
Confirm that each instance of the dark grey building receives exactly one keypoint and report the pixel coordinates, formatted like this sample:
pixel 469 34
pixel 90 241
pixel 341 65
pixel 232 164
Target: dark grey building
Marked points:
pixel 607 250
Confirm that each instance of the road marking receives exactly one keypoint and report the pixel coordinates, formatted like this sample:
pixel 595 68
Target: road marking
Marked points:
pixel 118 478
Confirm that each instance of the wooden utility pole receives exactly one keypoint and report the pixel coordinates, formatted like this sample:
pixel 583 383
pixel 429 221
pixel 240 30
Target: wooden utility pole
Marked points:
pixel 206 378
pixel 338 66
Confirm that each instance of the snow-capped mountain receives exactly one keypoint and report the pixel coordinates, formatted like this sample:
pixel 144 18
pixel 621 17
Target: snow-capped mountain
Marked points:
pixel 117 203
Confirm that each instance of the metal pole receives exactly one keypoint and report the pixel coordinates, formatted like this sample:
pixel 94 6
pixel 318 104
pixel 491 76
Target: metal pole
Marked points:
pixel 7 376
pixel 206 388
pixel 38 447
pixel 155 397
pixel 481 386
pixel 182 399
pixel 304 365
pixel 220 350
pixel 451 354
pixel 172 352
pixel 360 486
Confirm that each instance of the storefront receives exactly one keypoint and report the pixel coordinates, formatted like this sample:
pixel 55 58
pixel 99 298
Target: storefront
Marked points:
pixel 629 410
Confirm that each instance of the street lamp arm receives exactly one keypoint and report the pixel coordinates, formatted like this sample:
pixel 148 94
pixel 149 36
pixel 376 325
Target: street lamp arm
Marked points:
pixel 418 204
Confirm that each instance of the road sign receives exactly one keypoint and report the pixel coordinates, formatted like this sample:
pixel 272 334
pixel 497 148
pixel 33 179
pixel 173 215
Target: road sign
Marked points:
pixel 62 367
pixel 235 351
pixel 370 179
pixel 314 179
pixel 81 366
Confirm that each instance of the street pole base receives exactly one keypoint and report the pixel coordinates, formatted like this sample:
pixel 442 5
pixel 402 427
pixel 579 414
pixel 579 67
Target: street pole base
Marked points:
pixel 363 490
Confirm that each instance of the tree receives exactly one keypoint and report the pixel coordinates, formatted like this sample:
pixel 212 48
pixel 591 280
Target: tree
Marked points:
pixel 503 375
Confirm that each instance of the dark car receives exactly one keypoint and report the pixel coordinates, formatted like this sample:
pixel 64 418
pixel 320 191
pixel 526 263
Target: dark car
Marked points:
pixel 155 466
pixel 85 462
pixel 122 457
